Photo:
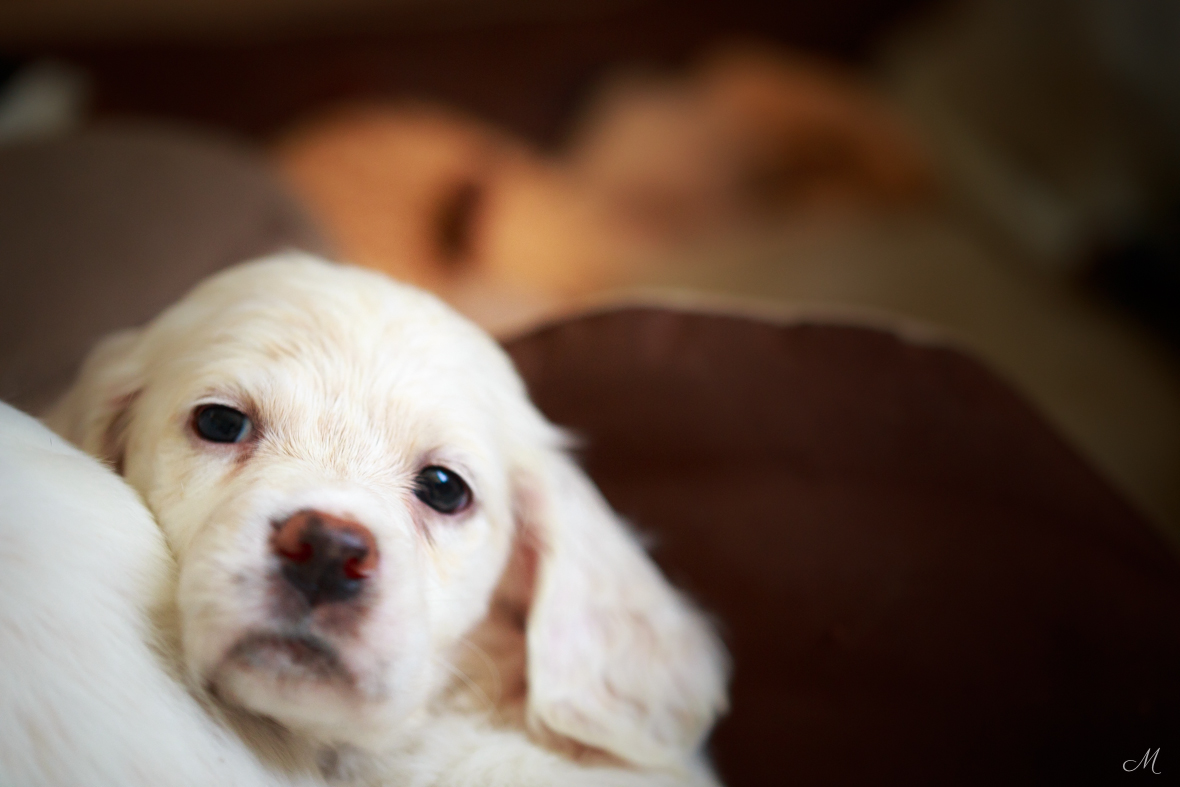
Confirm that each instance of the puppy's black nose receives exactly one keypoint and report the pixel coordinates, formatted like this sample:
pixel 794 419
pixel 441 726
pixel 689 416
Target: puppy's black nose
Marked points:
pixel 324 557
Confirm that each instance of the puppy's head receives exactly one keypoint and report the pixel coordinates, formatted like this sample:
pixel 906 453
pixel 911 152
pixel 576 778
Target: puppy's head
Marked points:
pixel 344 468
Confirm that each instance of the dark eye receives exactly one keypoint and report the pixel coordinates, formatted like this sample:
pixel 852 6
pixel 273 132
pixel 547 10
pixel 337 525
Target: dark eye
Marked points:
pixel 442 489
pixel 220 424
pixel 455 222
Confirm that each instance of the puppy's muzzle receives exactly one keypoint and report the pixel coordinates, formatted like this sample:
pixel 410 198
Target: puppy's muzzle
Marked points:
pixel 325 558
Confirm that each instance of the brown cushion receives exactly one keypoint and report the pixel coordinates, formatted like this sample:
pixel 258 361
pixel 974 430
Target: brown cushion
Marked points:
pixel 103 230
pixel 919 581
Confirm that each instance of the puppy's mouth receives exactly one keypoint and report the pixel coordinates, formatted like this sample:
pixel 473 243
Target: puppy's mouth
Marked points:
pixel 299 657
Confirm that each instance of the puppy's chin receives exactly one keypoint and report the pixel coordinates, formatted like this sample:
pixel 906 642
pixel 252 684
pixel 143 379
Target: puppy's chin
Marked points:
pixel 306 684
pixel 289 661
pixel 299 681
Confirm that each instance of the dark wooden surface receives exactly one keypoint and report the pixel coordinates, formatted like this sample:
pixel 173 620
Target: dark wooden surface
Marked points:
pixel 528 75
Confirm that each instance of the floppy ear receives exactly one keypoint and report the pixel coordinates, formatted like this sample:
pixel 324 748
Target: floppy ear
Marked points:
pixel 617 659
pixel 95 412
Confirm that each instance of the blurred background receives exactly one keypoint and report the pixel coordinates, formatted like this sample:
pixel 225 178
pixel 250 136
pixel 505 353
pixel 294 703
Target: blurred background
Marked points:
pixel 1000 175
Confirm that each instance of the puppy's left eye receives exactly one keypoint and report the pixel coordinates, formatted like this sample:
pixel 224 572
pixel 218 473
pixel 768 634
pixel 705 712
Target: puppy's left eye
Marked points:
pixel 442 489
pixel 220 424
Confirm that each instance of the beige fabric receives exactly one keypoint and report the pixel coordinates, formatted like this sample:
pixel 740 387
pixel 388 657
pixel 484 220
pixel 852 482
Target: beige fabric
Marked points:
pixel 103 230
pixel 1110 386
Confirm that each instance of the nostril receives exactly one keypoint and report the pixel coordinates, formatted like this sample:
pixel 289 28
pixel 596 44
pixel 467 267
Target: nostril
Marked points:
pixel 300 553
pixel 354 568
pixel 291 537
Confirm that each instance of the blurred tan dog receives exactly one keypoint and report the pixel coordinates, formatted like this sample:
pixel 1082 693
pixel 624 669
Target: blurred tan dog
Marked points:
pixel 383 547
pixel 437 199
pixel 656 164
pixel 749 137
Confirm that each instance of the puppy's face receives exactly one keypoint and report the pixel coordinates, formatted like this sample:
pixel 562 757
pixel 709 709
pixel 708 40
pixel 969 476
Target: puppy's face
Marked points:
pixel 343 467
pixel 326 454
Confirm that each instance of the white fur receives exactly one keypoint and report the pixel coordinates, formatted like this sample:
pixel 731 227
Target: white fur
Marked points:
pixel 526 641
pixel 84 696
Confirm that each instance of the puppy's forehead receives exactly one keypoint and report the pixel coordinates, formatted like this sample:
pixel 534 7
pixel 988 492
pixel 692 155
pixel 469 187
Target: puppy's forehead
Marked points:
pixel 335 323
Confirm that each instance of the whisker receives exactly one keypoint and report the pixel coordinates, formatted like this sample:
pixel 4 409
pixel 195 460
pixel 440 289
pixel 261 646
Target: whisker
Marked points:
pixel 472 685
pixel 491 666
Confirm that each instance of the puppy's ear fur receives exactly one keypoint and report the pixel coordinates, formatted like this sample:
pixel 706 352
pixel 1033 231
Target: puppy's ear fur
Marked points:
pixel 95 412
pixel 617 659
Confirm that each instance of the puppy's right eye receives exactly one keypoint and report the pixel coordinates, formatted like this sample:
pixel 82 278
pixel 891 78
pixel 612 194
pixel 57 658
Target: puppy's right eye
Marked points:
pixel 220 424
pixel 442 489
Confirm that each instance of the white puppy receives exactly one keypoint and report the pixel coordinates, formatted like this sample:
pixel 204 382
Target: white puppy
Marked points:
pixel 383 549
